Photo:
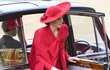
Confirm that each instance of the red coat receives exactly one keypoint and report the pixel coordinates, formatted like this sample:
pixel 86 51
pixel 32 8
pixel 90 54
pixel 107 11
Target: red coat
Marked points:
pixel 47 50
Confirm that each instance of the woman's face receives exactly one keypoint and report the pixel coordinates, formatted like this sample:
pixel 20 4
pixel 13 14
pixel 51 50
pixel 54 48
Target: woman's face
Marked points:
pixel 57 23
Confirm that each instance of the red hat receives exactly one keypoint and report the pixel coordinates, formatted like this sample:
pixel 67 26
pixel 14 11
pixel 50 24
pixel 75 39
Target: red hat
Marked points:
pixel 55 12
pixel 9 25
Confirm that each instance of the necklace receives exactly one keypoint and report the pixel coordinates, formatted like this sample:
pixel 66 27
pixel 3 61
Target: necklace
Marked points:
pixel 56 32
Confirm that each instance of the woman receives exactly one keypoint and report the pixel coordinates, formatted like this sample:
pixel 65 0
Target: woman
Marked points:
pixel 48 51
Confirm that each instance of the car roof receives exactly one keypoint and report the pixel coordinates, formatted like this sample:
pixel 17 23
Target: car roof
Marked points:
pixel 42 3
pixel 16 9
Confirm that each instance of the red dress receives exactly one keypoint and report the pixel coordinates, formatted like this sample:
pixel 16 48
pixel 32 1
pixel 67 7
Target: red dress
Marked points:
pixel 47 50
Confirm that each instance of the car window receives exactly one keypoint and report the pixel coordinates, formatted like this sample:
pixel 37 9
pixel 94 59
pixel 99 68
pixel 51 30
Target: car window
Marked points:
pixel 11 47
pixel 86 36
pixel 1 31
pixel 31 23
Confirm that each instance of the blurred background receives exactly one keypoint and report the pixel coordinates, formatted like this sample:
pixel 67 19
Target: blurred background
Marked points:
pixel 100 6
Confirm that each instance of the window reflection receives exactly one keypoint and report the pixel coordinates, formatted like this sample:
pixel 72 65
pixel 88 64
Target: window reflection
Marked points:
pixel 11 47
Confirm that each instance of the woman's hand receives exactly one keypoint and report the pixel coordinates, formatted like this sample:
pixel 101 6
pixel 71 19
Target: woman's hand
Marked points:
pixel 73 59
pixel 54 68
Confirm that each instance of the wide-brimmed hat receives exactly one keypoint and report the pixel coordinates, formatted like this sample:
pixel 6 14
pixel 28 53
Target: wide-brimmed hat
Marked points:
pixel 55 12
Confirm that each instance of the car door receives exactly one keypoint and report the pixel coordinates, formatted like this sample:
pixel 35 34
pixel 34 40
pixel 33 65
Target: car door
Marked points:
pixel 87 38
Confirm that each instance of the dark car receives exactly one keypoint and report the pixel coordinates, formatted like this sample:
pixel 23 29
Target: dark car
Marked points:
pixel 87 39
